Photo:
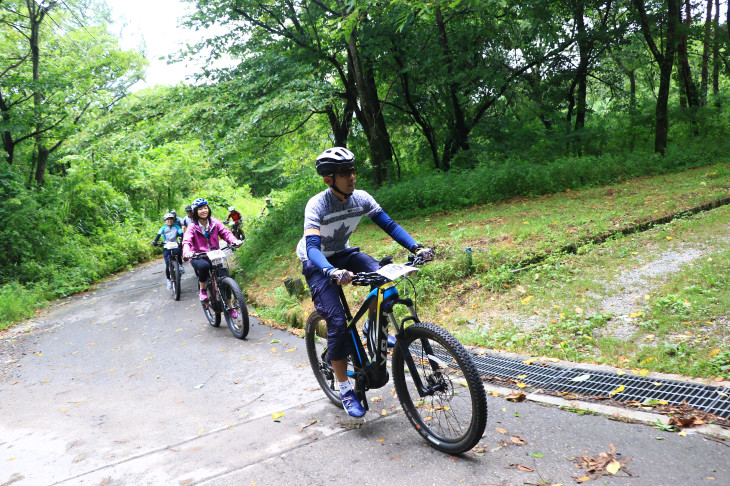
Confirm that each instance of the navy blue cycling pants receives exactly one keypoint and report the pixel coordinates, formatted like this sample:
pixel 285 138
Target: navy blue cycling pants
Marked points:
pixel 202 267
pixel 327 300
pixel 166 253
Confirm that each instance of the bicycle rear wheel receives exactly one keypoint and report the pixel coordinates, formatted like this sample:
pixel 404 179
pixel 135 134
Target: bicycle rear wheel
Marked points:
pixel 233 300
pixel 315 337
pixel 175 277
pixel 452 417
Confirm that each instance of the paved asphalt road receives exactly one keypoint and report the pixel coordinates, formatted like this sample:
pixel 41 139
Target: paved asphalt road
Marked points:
pixel 124 386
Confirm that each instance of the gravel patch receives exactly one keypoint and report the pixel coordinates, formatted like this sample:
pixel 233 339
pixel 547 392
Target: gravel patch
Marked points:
pixel 627 294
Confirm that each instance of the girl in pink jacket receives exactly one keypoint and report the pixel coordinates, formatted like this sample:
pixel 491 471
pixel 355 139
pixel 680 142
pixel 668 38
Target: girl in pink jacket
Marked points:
pixel 202 236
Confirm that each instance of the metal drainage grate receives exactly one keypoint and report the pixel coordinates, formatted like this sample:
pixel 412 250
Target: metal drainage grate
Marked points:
pixel 712 399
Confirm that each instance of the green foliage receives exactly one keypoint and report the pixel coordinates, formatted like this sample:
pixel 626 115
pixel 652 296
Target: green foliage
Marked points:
pixel 286 310
pixel 491 182
pixel 720 364
pixel 569 338
pixel 17 302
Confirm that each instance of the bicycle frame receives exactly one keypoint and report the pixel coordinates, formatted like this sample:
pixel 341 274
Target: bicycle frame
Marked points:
pixel 218 271
pixel 374 373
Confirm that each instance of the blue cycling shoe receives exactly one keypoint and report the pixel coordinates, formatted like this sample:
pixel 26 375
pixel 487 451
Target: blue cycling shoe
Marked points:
pixel 352 404
pixel 366 326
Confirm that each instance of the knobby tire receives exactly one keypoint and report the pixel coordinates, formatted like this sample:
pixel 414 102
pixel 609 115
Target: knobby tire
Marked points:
pixel 315 337
pixel 175 277
pixel 230 290
pixel 452 419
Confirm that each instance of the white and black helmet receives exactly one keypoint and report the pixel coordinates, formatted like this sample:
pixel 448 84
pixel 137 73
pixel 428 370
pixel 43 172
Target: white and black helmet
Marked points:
pixel 332 158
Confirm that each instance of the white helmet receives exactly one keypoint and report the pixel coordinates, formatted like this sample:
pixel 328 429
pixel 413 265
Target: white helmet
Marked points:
pixel 168 216
pixel 232 208
pixel 332 158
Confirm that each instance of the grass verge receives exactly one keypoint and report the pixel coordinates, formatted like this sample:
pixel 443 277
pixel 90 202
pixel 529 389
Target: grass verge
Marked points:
pixel 546 270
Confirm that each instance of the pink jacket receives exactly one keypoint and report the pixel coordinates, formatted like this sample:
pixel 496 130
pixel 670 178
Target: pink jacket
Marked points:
pixel 195 241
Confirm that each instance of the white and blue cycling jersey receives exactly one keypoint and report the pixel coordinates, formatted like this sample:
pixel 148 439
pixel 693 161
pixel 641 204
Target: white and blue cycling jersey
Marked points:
pixel 336 220
pixel 169 233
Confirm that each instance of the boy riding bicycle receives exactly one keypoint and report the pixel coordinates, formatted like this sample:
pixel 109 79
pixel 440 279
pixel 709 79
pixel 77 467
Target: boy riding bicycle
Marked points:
pixel 330 217
pixel 170 232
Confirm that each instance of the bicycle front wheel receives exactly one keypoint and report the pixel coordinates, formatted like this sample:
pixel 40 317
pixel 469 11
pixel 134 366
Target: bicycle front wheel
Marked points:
pixel 233 300
pixel 453 414
pixel 175 277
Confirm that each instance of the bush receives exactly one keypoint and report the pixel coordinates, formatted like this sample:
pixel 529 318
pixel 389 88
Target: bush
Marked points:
pixel 17 302
pixel 490 182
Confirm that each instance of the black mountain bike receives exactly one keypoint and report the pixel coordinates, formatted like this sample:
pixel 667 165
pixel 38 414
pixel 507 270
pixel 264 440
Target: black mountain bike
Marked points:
pixel 224 295
pixel 435 379
pixel 173 266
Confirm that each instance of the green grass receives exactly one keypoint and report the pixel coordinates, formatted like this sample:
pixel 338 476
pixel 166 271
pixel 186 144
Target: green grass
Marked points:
pixel 543 266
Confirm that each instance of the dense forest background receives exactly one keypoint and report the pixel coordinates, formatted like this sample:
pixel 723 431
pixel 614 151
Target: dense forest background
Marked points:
pixel 446 104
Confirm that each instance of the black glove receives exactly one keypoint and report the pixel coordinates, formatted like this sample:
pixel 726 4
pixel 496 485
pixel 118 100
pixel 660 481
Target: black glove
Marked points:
pixel 426 254
pixel 341 277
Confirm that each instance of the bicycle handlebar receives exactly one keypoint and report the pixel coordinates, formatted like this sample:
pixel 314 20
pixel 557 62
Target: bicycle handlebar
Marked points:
pixel 374 278
pixel 230 246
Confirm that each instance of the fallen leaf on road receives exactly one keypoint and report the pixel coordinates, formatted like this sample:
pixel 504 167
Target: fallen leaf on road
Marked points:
pixel 515 397
pixel 277 415
pixel 619 389
pixel 517 440
pixel 501 431
pixel 524 468
pixel 581 377
pixel 613 467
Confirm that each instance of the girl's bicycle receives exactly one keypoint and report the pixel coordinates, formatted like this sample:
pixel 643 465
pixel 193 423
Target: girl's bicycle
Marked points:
pixel 435 379
pixel 224 295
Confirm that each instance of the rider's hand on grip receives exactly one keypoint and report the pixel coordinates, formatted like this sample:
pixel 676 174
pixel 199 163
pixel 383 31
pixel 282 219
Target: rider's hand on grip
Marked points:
pixel 188 255
pixel 426 254
pixel 341 277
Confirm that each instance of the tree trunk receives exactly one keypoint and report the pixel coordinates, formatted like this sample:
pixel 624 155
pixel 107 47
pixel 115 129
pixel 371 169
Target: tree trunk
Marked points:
pixel 706 55
pixel 458 137
pixel 682 87
pixel 423 123
pixel 569 112
pixel 665 60
pixel 36 13
pixel 665 78
pixel 631 74
pixel 8 146
pixel 377 133
pixel 40 168
pixel 581 73
pixel 716 55
pixel 693 98
pixel 7 135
